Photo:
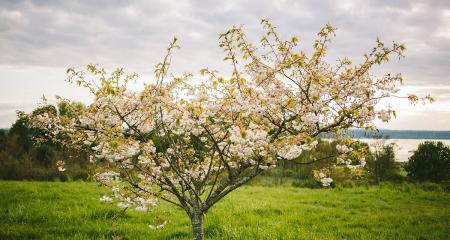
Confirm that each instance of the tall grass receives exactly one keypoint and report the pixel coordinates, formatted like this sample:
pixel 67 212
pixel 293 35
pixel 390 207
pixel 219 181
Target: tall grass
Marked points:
pixel 55 210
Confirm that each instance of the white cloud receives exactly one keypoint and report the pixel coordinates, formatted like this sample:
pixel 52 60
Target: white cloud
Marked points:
pixel 51 35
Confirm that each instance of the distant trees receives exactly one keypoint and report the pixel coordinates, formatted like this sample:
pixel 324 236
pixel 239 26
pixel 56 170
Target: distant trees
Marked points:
pixel 430 162
pixel 21 159
pixel 383 167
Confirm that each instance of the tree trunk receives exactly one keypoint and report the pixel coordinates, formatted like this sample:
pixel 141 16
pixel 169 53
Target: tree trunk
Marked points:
pixel 197 225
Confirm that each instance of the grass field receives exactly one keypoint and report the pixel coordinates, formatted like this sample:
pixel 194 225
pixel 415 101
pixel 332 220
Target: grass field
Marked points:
pixel 52 210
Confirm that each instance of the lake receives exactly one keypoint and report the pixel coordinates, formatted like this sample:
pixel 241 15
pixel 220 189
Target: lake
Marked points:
pixel 404 147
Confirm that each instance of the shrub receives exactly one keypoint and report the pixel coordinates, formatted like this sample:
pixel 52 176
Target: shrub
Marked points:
pixel 383 166
pixel 430 162
pixel 430 186
pixel 348 184
pixel 306 183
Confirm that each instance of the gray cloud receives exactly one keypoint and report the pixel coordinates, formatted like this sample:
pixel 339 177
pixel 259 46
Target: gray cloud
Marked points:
pixel 58 34
pixel 8 112
pixel 133 33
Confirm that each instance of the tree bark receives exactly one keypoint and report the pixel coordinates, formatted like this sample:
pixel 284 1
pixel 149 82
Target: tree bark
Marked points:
pixel 197 225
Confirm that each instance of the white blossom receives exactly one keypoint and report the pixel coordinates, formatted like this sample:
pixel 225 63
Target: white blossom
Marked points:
pixel 105 198
pixel 123 205
pixel 326 182
pixel 163 224
pixel 141 208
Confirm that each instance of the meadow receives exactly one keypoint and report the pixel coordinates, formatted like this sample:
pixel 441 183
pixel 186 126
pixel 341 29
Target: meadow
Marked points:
pixel 71 210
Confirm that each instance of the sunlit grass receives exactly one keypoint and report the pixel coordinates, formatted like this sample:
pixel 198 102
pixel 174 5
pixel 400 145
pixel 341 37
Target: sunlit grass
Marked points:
pixel 51 210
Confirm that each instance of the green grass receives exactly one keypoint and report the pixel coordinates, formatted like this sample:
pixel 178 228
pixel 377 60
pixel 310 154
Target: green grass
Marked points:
pixel 53 210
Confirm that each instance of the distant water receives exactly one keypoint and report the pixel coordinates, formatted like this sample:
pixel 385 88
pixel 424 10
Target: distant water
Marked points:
pixel 406 141
pixel 404 147
pixel 399 134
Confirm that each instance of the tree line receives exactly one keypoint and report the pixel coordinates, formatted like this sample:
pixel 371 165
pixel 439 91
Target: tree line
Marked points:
pixel 22 159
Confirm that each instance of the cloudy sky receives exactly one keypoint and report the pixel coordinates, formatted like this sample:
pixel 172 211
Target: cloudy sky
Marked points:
pixel 40 39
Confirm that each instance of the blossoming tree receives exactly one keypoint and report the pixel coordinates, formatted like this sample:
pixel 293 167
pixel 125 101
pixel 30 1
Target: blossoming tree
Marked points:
pixel 191 143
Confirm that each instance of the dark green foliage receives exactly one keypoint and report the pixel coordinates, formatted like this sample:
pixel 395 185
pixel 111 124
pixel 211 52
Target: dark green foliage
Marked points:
pixel 21 158
pixel 348 184
pixel 430 186
pixel 383 167
pixel 323 156
pixel 306 183
pixel 302 167
pixel 66 108
pixel 430 162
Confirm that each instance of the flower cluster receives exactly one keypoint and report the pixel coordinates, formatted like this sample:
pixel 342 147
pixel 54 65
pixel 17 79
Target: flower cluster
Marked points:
pixel 61 165
pixel 106 199
pixel 324 180
pixel 159 226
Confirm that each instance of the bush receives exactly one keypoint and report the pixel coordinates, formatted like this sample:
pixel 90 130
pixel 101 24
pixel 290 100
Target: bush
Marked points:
pixel 348 184
pixel 430 162
pixel 383 166
pixel 20 159
pixel 430 186
pixel 446 186
pixel 306 183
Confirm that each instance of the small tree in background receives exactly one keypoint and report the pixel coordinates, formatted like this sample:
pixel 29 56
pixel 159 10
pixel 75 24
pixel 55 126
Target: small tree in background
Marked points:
pixel 430 162
pixel 382 167
pixel 192 144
